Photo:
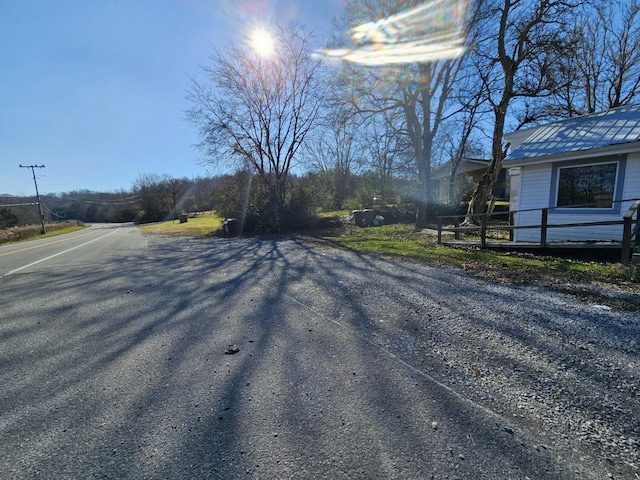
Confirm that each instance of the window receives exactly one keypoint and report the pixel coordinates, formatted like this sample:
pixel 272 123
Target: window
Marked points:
pixel 587 186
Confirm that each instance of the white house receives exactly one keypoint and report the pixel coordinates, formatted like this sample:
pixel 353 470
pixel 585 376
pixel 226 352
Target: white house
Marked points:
pixel 584 169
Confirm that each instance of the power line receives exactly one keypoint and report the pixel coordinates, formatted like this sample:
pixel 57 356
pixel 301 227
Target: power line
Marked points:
pixel 33 171
pixel 16 204
pixel 124 201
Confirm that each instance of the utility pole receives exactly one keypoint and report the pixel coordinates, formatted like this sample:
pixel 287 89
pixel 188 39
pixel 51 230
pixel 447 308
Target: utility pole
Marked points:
pixel 33 167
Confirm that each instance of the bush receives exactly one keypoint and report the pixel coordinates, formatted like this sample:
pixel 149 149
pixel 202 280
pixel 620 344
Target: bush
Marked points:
pixel 8 219
pixel 259 209
pixel 352 203
pixel 397 213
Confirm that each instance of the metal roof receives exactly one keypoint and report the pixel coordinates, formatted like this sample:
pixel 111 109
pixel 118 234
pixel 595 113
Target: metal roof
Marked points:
pixel 465 166
pixel 612 127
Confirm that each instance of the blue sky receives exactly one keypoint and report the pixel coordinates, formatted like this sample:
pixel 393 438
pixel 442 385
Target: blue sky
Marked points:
pixel 95 89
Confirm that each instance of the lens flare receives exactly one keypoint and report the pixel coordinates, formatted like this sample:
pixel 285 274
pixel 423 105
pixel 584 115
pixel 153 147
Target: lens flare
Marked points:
pixel 431 31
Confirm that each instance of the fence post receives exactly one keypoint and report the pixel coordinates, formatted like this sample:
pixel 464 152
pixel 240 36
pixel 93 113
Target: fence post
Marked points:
pixel 439 231
pixel 456 223
pixel 626 240
pixel 628 231
pixel 483 232
pixel 637 232
pixel 511 223
pixel 543 227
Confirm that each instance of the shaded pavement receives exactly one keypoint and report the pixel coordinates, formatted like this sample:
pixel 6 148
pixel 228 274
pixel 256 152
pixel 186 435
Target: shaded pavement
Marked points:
pixel 118 369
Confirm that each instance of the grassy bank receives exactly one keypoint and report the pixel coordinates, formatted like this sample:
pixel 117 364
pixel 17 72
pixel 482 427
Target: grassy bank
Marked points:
pixel 404 241
pixel 198 225
pixel 32 232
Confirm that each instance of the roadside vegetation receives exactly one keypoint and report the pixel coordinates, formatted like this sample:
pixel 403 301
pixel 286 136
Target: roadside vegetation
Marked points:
pixel 197 225
pixel 32 232
pixel 406 242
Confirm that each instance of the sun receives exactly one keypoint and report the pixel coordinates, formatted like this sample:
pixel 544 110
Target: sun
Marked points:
pixel 262 42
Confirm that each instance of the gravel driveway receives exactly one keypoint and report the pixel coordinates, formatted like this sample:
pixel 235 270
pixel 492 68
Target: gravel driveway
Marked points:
pixel 559 376
pixel 542 362
pixel 349 366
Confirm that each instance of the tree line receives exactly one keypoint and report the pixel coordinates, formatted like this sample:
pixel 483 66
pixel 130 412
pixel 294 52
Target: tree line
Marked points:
pixel 155 198
pixel 405 86
pixel 152 198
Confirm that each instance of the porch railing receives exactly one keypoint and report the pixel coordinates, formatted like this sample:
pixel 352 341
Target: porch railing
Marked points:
pixel 630 235
pixel 630 223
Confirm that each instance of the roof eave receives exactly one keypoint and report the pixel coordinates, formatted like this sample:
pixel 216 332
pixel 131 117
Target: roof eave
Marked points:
pixel 617 149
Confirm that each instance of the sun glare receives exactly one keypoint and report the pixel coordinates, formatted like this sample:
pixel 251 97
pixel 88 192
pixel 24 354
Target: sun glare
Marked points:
pixel 262 42
pixel 433 30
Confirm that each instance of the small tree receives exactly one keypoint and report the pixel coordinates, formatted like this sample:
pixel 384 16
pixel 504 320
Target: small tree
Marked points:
pixel 155 199
pixel 335 154
pixel 388 154
pixel 176 188
pixel 256 110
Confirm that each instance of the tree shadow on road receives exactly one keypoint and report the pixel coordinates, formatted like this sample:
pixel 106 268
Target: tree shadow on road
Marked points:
pixel 345 367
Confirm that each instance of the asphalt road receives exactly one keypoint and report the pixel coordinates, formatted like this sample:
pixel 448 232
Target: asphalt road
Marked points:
pixel 82 246
pixel 113 365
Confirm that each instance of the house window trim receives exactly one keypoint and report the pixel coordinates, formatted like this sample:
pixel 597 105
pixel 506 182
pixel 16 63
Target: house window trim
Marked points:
pixel 620 160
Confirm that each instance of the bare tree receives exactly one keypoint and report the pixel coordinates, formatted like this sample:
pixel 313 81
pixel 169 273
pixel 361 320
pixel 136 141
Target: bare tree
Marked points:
pixel 154 195
pixel 458 144
pixel 459 134
pixel 624 58
pixel 388 153
pixel 516 61
pixel 176 189
pixel 256 111
pixel 605 54
pixel 420 90
pixel 336 152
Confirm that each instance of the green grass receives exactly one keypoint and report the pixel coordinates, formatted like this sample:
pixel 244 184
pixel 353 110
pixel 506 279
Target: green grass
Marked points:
pixel 403 241
pixel 197 226
pixel 32 232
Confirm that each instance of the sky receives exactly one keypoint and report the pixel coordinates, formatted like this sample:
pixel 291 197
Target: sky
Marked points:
pixel 95 90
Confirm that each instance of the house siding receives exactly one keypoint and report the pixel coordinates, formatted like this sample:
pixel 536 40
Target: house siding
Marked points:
pixel 535 186
pixel 533 195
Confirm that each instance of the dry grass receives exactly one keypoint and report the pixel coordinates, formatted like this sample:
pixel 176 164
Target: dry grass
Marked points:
pixel 31 232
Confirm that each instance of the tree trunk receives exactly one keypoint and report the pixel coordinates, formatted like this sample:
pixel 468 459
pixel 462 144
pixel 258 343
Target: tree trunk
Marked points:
pixel 424 193
pixel 482 193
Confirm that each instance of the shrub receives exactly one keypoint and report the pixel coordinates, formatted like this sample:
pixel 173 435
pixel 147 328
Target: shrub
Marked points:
pixel 8 219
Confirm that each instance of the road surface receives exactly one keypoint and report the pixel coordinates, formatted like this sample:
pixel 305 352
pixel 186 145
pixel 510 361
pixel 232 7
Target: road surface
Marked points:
pixel 113 365
pixel 80 246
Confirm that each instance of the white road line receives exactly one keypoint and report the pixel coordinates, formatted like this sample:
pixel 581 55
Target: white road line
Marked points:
pixel 59 253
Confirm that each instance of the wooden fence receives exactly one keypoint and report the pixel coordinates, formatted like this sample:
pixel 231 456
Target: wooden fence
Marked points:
pixel 630 222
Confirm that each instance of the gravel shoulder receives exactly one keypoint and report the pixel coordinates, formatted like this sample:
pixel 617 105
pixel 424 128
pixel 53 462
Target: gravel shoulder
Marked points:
pixel 624 296
pixel 556 357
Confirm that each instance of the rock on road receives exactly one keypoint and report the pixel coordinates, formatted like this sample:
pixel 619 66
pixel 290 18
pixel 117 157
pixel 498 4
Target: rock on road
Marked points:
pixel 113 365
